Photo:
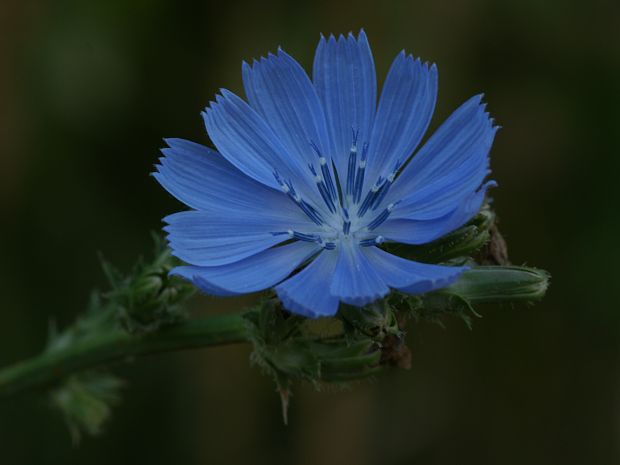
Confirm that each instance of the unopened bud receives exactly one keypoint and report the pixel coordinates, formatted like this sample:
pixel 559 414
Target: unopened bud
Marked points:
pixel 500 284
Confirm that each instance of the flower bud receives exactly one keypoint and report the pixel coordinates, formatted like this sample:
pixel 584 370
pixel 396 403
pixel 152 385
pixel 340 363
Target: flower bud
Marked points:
pixel 500 284
pixel 148 297
pixel 376 320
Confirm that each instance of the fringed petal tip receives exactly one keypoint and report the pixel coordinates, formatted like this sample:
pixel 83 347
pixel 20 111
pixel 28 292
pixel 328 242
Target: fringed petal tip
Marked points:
pixel 350 36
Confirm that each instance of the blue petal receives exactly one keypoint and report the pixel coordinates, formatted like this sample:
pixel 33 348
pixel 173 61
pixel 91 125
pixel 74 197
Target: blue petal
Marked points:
pixel 450 165
pixel 204 239
pixel 345 79
pixel 256 273
pixel 246 140
pixel 443 195
pixel 279 89
pixel 405 109
pixel 409 276
pixel 355 281
pixel 306 293
pixel 423 231
pixel 203 179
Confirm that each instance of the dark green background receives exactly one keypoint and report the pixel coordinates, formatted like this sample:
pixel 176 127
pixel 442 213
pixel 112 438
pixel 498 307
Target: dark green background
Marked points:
pixel 89 88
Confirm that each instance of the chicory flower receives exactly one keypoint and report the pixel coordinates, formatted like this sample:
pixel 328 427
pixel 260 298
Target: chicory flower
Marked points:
pixel 312 176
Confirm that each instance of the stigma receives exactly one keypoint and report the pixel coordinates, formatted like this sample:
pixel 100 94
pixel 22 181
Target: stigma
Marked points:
pixel 343 210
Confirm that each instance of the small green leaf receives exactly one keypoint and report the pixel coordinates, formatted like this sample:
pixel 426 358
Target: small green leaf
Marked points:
pixel 85 400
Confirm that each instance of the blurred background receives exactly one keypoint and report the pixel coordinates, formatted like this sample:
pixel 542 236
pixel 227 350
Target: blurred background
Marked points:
pixel 90 88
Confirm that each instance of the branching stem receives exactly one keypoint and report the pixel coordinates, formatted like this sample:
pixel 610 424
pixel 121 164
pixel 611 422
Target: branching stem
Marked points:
pixel 116 345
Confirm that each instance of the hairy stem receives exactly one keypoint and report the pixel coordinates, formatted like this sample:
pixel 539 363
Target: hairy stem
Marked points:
pixel 116 345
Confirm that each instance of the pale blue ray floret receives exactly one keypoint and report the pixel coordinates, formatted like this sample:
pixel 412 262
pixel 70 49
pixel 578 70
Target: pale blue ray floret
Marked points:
pixel 311 176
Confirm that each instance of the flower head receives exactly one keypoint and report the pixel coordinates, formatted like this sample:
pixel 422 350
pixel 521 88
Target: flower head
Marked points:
pixel 310 177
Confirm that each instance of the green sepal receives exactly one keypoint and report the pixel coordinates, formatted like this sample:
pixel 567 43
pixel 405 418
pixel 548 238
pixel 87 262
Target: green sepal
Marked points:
pixel 462 242
pixel 432 307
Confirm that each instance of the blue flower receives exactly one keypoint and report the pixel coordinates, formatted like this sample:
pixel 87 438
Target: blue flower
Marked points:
pixel 310 177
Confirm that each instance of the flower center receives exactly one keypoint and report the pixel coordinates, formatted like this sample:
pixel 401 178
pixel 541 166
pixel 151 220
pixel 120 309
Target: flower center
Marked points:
pixel 346 214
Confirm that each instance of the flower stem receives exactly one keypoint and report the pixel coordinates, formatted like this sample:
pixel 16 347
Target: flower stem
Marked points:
pixel 116 345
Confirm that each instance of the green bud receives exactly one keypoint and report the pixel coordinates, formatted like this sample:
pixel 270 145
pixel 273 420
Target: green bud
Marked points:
pixel 376 320
pixel 500 284
pixel 338 370
pixel 481 284
pixel 147 298
pixel 344 361
pixel 146 287
pixel 291 348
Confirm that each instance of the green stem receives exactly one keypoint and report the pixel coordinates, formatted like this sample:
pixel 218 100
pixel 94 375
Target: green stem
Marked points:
pixel 116 345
